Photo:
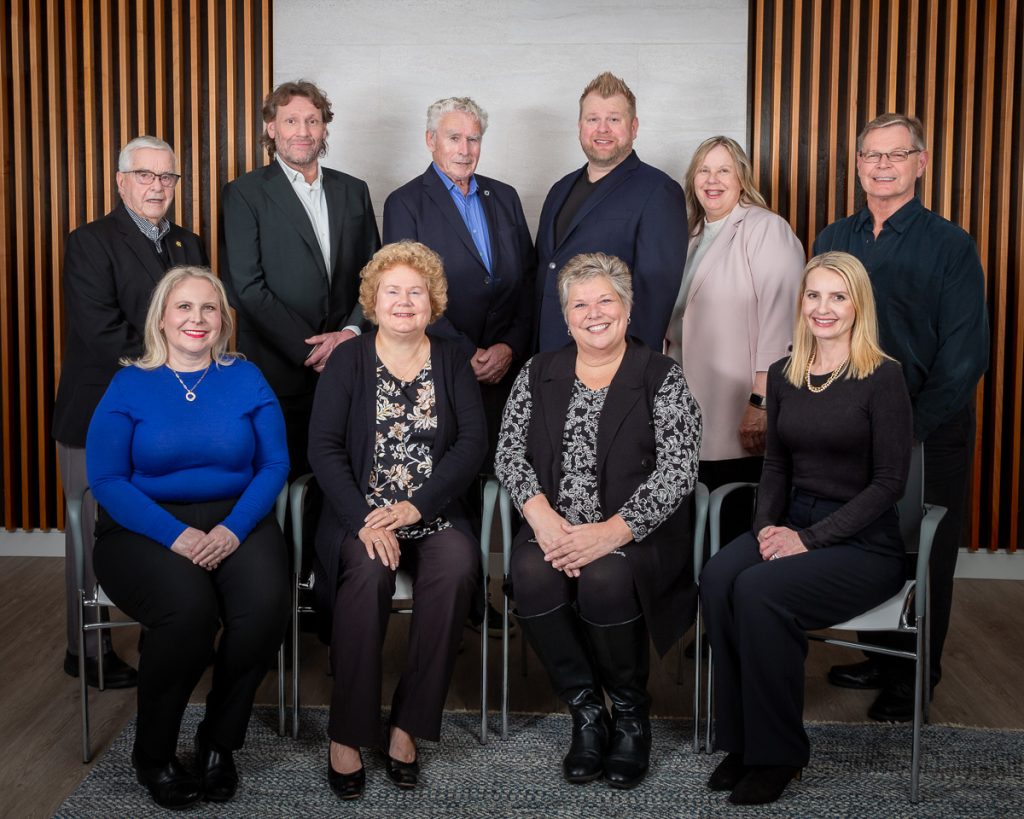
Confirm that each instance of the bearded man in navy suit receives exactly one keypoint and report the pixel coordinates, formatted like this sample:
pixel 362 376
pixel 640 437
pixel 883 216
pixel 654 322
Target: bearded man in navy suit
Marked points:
pixel 617 205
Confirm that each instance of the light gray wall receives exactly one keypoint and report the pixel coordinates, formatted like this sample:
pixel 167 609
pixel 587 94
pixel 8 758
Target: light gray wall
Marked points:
pixel 525 62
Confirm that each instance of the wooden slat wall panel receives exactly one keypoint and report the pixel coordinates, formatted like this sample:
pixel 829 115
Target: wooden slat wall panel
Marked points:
pixel 957 65
pixel 78 79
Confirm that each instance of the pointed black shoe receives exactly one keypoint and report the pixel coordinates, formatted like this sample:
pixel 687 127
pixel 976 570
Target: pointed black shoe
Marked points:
pixel 116 672
pixel 171 786
pixel 403 774
pixel 590 726
pixel 217 772
pixel 763 784
pixel 346 785
pixel 728 773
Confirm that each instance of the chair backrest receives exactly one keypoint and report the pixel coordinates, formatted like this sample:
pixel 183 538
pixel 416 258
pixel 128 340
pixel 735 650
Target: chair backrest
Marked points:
pixel 911 505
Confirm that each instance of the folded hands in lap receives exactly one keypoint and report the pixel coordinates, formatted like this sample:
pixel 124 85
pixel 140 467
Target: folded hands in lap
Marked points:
pixel 206 549
pixel 779 541
pixel 569 548
pixel 378 535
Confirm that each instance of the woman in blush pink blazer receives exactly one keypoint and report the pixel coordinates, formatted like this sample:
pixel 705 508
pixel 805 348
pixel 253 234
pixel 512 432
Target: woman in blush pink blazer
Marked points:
pixel 734 313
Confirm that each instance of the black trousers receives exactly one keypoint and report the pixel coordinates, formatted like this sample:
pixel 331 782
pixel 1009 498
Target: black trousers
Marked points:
pixel 604 593
pixel 446 570
pixel 183 606
pixel 948 455
pixel 758 612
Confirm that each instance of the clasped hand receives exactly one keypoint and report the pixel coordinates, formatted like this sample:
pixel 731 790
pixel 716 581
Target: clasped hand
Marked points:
pixel 779 541
pixel 378 534
pixel 206 549
pixel 567 547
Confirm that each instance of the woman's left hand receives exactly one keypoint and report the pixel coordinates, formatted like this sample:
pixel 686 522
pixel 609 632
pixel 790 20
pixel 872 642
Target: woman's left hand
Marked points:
pixel 779 541
pixel 586 543
pixel 752 430
pixel 393 516
pixel 214 547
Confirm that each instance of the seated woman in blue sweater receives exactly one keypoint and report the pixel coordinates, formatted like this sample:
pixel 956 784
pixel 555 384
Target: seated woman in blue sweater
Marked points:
pixel 186 453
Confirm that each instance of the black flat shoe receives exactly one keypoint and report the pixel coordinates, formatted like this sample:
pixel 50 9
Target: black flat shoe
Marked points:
pixel 217 772
pixel 171 786
pixel 116 672
pixel 763 784
pixel 728 773
pixel 864 675
pixel 403 774
pixel 346 785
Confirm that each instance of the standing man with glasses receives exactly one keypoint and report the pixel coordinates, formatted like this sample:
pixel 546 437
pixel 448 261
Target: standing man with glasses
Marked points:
pixel 111 266
pixel 930 292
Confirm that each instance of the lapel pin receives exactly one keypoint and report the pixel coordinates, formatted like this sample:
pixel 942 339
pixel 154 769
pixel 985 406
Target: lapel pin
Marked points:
pixel 487 193
pixel 177 243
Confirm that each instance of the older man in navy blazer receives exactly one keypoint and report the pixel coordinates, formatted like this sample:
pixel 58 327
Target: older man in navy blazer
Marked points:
pixel 618 205
pixel 476 225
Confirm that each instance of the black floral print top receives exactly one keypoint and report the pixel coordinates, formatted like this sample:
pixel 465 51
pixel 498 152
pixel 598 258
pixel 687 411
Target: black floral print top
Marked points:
pixel 406 424
pixel 676 437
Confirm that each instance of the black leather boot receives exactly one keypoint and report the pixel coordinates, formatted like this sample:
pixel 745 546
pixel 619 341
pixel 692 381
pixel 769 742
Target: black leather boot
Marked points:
pixel 560 642
pixel 623 663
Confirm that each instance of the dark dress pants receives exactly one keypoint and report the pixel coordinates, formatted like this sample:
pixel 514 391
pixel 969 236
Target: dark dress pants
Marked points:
pixel 183 606
pixel 757 614
pixel 445 567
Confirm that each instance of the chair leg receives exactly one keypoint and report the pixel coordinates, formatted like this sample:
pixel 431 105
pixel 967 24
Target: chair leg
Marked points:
pixel 920 683
pixel 698 652
pixel 483 675
pixel 504 667
pixel 709 737
pixel 280 691
pixel 295 655
pixel 505 516
pixel 83 686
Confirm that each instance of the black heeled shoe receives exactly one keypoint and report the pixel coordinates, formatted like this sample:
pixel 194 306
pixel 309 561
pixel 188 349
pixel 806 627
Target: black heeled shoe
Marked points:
pixel 217 772
pixel 403 774
pixel 728 773
pixel 346 785
pixel 171 786
pixel 763 784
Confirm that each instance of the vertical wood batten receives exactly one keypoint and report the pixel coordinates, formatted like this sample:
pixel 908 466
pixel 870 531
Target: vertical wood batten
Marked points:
pixel 86 77
pixel 957 66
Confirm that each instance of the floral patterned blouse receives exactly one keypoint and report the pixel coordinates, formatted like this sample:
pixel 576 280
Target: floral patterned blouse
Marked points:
pixel 676 435
pixel 405 429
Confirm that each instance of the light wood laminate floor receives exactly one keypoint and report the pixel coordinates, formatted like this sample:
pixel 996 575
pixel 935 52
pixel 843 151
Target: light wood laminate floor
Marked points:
pixel 39 708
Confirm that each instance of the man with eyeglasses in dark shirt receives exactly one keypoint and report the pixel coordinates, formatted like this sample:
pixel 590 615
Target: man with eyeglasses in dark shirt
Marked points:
pixel 930 292
pixel 111 266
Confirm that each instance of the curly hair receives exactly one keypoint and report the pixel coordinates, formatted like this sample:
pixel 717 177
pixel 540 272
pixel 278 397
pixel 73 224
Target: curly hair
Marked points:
pixel 411 254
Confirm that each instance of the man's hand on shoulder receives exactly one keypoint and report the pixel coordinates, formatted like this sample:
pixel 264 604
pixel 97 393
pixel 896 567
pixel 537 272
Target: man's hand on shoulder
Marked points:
pixel 323 345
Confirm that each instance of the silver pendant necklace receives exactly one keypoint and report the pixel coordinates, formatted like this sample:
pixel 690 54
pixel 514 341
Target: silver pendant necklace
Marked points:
pixel 190 392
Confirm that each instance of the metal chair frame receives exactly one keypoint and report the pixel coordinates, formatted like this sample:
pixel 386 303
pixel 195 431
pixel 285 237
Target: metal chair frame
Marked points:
pixel 493 495
pixel 906 612
pixel 98 599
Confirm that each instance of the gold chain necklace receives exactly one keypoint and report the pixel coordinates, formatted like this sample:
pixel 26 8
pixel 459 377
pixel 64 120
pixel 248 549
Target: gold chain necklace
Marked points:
pixel 835 374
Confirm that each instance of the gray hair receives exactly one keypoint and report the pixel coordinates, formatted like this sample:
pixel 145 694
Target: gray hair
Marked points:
pixel 124 160
pixel 912 124
pixel 450 104
pixel 586 266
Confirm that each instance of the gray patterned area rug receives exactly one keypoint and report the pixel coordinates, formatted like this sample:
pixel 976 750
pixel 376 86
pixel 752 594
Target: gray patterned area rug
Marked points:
pixel 855 771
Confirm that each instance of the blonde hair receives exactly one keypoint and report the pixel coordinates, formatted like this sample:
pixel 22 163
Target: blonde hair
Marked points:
pixel 607 85
pixel 749 194
pixel 411 254
pixel 155 350
pixel 865 353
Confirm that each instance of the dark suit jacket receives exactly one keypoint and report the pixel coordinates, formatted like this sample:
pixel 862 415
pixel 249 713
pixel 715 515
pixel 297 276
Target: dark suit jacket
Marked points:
pixel 274 269
pixel 110 270
pixel 662 563
pixel 638 213
pixel 482 309
pixel 341 439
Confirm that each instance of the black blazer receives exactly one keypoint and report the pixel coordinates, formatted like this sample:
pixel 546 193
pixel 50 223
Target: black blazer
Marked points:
pixel 637 213
pixel 341 438
pixel 274 270
pixel 110 270
pixel 662 562
pixel 482 310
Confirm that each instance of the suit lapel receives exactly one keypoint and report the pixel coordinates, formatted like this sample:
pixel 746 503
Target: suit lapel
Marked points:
pixel 139 245
pixel 560 378
pixel 439 195
pixel 281 193
pixel 624 392
pixel 490 213
pixel 719 247
pixel 610 184
pixel 334 193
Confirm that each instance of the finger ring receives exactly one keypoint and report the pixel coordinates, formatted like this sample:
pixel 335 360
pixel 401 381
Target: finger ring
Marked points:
pixel 377 540
pixel 774 556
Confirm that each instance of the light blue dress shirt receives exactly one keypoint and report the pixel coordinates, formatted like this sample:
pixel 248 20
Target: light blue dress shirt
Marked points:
pixel 471 209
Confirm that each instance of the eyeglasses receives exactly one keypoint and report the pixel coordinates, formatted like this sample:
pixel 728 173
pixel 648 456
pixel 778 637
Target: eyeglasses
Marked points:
pixel 168 180
pixel 874 157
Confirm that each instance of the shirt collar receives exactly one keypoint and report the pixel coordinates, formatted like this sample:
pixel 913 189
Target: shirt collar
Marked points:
pixel 450 184
pixel 152 232
pixel 899 221
pixel 295 176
